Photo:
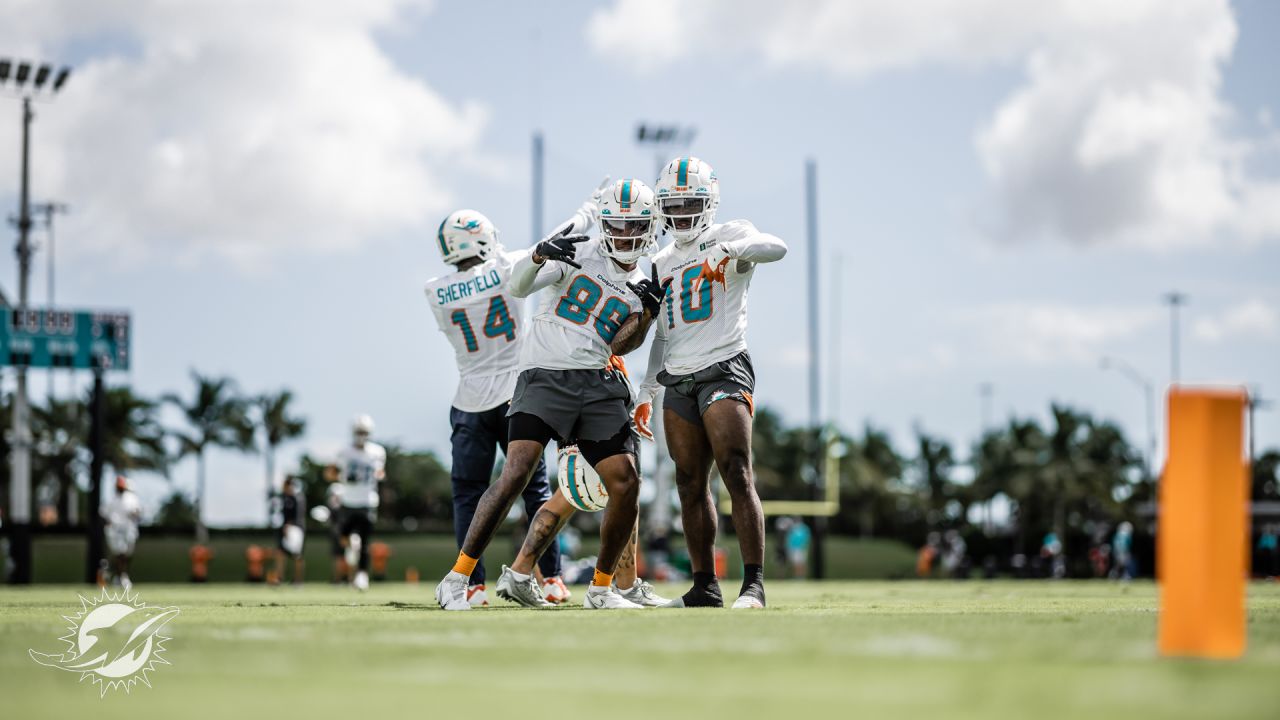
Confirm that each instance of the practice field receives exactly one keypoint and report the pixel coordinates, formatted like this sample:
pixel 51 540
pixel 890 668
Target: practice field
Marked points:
pixel 861 649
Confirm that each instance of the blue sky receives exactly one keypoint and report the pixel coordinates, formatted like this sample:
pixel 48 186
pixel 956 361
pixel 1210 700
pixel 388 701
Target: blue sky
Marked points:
pixel 1008 196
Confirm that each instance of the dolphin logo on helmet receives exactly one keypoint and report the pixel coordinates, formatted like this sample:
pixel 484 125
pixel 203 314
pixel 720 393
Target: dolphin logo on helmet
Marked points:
pixel 466 234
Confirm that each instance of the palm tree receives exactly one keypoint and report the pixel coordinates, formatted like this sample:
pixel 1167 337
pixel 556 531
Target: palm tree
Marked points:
pixel 277 427
pixel 133 438
pixel 217 417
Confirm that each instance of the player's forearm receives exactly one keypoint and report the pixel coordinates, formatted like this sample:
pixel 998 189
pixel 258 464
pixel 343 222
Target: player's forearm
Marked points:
pixel 757 248
pixel 631 335
pixel 657 352
pixel 527 276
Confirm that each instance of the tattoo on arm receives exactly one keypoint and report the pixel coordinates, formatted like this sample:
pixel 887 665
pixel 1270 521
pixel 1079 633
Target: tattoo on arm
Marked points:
pixel 544 528
pixel 631 335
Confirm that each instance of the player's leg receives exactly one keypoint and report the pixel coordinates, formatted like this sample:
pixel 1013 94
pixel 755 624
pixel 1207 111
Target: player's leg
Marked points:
pixel 474 449
pixel 614 461
pixel 529 436
pixel 691 453
pixel 536 494
pixel 362 528
pixel 728 427
pixel 517 583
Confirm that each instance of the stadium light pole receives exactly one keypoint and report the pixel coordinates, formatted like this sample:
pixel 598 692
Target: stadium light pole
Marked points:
pixel 1256 402
pixel 1149 395
pixel 1175 300
pixel 661 139
pixel 818 524
pixel 20 457
pixel 539 173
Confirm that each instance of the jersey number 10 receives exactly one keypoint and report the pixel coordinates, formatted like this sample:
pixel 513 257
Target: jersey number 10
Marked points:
pixel 497 323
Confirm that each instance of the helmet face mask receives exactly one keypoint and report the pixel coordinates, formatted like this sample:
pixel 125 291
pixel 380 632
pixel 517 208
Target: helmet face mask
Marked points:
pixel 688 195
pixel 466 234
pixel 628 230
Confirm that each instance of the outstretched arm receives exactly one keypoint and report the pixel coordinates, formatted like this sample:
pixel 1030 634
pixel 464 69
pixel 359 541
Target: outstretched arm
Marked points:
pixel 528 277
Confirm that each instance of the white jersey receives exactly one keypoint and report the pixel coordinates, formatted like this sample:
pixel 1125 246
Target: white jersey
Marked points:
pixel 361 470
pixel 587 308
pixel 123 511
pixel 703 322
pixel 475 309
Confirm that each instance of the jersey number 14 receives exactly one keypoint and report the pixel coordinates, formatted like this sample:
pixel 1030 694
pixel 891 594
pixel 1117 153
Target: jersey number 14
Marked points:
pixel 497 323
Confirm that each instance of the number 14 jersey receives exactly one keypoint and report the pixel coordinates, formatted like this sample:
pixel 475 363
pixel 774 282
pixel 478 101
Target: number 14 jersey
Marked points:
pixel 483 321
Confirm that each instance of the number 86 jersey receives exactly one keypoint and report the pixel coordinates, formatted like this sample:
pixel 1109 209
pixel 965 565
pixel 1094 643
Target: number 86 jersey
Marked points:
pixel 584 313
pixel 475 309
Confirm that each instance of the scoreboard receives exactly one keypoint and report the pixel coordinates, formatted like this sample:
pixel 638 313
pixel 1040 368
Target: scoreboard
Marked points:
pixel 52 338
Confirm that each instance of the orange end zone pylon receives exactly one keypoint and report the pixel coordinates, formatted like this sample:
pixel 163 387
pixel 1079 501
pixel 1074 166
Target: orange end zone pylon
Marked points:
pixel 1202 536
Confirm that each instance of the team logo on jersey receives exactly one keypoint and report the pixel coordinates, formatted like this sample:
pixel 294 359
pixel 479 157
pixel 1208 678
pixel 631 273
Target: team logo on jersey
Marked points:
pixel 114 641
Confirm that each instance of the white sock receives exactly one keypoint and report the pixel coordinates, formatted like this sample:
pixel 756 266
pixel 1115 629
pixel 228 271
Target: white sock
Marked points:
pixel 522 577
pixel 597 589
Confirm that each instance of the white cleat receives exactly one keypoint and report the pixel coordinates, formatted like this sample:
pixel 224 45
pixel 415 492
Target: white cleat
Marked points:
pixel 554 590
pixel 476 596
pixel 361 581
pixel 451 593
pixel 747 602
pixel 521 592
pixel 642 594
pixel 607 599
pixel 352 553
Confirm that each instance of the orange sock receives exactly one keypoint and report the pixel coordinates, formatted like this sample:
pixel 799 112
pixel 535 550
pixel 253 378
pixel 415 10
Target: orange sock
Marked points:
pixel 602 579
pixel 465 564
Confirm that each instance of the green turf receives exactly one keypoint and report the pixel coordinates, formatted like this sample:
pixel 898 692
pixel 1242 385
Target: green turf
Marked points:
pixel 841 650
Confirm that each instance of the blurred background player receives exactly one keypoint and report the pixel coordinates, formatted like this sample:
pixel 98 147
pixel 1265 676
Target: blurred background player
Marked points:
pixel 566 389
pixel 292 531
pixel 122 514
pixel 700 355
pixel 475 309
pixel 363 466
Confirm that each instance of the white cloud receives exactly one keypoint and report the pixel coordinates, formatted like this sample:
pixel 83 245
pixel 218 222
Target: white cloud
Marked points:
pixel 1116 134
pixel 1250 319
pixel 235 127
pixel 1050 334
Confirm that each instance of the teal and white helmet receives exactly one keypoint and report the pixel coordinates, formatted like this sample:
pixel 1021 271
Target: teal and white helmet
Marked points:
pixel 688 195
pixel 466 234
pixel 628 221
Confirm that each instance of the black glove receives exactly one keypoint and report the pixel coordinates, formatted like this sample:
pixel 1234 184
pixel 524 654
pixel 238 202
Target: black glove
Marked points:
pixel 560 247
pixel 651 292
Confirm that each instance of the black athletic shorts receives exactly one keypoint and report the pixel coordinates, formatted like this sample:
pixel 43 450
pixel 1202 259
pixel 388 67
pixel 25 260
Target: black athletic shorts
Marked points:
pixel 581 404
pixel 526 426
pixel 690 395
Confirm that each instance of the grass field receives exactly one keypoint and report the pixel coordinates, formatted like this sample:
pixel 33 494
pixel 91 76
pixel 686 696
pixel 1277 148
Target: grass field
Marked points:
pixel 847 649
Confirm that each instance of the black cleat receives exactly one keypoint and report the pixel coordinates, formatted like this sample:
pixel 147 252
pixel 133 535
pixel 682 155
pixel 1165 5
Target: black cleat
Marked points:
pixel 708 596
pixel 751 598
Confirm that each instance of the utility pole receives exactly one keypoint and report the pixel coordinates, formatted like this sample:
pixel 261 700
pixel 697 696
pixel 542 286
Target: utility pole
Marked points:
pixel 836 336
pixel 1149 397
pixel 1175 301
pixel 48 209
pixel 20 457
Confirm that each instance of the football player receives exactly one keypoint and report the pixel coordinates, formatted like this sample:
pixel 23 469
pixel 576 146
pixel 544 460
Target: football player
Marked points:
pixel 566 388
pixel 699 355
pixel 475 309
pixel 363 466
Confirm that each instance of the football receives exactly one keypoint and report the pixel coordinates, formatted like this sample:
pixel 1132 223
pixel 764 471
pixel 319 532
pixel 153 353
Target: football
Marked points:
pixel 579 482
